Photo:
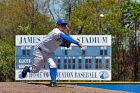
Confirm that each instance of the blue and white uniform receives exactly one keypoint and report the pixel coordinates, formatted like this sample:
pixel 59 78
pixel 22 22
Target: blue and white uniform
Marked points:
pixel 44 51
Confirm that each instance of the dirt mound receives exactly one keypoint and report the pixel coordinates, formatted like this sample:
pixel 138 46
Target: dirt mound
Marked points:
pixel 21 87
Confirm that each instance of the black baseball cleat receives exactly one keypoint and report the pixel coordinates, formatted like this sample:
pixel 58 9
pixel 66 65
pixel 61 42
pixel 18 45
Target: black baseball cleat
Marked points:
pixel 53 84
pixel 25 70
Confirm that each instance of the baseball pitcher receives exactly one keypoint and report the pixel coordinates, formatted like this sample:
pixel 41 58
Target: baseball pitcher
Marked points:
pixel 44 50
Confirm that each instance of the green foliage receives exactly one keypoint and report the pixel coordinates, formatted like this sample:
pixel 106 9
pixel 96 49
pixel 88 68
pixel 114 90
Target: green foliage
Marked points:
pixel 85 17
pixel 24 30
pixel 133 8
pixel 131 14
pixel 18 17
pixel 7 61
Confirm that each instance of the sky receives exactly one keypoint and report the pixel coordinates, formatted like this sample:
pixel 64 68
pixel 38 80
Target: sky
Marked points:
pixel 136 1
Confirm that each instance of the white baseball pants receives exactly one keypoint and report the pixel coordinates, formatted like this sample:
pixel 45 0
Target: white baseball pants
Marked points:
pixel 40 57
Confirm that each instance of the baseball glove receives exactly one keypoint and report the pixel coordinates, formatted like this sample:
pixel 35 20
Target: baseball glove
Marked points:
pixel 64 43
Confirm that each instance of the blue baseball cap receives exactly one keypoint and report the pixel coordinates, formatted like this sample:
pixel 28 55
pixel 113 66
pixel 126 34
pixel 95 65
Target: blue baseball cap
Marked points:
pixel 62 21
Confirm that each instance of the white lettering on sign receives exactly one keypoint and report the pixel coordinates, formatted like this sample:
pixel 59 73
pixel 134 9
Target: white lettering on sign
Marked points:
pixel 21 66
pixel 24 60
pixel 26 47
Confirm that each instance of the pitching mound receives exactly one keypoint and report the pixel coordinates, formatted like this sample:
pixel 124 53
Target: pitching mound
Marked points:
pixel 20 87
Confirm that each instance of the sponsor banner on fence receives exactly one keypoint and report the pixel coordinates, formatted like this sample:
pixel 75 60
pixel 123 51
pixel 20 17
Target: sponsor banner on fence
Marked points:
pixel 68 75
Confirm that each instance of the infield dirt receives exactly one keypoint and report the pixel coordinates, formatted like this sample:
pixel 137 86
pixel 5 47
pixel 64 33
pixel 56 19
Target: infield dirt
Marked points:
pixel 21 87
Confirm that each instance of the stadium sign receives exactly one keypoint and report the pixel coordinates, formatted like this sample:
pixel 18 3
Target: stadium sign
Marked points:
pixel 92 62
